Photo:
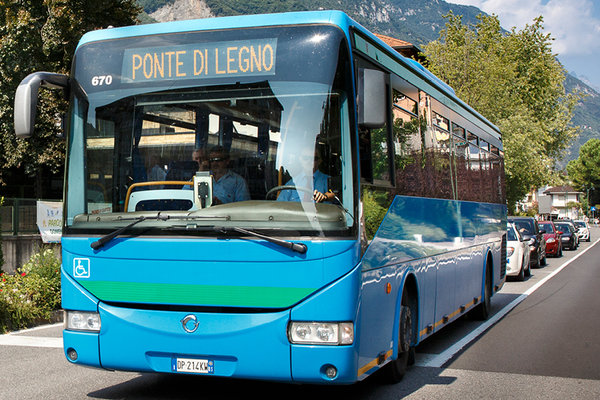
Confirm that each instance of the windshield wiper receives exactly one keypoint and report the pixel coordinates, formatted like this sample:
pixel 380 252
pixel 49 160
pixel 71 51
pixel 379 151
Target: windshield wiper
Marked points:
pixel 107 238
pixel 297 247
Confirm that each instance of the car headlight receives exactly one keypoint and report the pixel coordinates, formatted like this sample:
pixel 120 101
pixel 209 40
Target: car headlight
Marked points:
pixel 82 321
pixel 328 333
pixel 550 240
pixel 510 251
pixel 531 241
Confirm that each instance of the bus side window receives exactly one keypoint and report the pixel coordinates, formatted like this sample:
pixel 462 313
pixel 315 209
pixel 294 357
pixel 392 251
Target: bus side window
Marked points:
pixel 364 142
pixel 373 104
pixel 374 156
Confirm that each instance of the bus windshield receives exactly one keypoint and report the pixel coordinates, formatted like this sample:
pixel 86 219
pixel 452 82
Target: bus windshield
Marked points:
pixel 277 144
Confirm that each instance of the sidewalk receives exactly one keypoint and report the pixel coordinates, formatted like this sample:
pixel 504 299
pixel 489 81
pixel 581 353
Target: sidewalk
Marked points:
pixel 40 336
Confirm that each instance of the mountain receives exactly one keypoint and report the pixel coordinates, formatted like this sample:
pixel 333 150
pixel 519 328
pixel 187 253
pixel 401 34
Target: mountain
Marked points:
pixel 418 22
pixel 587 116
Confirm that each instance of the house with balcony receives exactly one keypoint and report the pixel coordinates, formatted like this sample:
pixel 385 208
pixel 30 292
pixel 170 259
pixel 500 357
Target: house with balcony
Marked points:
pixel 562 199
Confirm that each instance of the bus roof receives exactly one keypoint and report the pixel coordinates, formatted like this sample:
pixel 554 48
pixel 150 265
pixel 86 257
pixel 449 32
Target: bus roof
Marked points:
pixel 240 21
pixel 332 17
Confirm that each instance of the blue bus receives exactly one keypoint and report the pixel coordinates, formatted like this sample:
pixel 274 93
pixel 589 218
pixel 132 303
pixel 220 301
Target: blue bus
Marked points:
pixel 280 197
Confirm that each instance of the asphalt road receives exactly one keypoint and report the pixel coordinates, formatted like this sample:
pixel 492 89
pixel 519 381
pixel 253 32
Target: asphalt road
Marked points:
pixel 541 343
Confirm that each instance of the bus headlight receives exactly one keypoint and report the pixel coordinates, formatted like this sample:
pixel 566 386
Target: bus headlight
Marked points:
pixel 82 321
pixel 329 333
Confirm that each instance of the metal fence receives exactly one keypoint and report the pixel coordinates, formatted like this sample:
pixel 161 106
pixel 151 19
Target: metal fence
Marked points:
pixel 19 216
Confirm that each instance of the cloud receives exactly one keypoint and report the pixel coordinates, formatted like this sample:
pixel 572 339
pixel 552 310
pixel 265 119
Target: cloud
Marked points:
pixel 570 22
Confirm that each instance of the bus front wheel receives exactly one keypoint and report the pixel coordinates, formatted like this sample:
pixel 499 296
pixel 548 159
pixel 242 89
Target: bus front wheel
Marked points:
pixel 395 369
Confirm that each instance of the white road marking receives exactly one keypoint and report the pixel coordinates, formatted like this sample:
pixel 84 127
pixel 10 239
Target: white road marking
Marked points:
pixel 30 341
pixel 17 338
pixel 438 360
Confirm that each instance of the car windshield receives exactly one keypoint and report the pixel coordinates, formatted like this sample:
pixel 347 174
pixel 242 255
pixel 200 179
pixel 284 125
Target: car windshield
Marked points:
pixel 525 227
pixel 547 227
pixel 580 224
pixel 563 227
pixel 511 235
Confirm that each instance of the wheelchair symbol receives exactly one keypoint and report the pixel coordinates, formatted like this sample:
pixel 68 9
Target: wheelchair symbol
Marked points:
pixel 81 267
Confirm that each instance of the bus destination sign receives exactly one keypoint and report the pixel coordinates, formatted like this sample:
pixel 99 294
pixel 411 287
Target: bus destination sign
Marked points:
pixel 197 61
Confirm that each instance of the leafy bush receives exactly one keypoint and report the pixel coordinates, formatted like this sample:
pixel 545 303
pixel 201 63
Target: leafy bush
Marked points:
pixel 44 264
pixel 374 210
pixel 31 295
pixel 1 254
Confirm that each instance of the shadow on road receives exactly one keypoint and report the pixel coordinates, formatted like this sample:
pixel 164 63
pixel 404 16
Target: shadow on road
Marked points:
pixel 179 387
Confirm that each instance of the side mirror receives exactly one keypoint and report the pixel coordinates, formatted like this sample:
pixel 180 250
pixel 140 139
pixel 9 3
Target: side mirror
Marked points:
pixel 372 98
pixel 26 98
pixel 559 232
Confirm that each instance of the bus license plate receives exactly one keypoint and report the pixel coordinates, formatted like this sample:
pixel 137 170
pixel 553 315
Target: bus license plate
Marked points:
pixel 192 365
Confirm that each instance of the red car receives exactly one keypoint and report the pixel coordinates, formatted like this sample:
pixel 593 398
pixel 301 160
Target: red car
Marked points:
pixel 552 236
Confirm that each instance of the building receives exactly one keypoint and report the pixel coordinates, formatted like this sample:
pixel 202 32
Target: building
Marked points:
pixel 407 49
pixel 562 199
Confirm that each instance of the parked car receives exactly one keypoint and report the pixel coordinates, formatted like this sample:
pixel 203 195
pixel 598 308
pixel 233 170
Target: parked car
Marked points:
pixel 553 242
pixel 517 254
pixel 529 229
pixel 569 234
pixel 583 230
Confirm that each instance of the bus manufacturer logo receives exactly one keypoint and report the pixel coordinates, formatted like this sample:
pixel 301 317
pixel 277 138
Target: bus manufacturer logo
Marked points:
pixel 81 267
pixel 189 323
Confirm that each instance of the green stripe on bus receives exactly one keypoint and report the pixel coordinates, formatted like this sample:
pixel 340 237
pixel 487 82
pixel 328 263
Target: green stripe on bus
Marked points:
pixel 211 295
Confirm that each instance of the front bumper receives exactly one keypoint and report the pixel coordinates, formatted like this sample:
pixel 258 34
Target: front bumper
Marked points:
pixel 248 346
pixel 552 248
pixel 512 266
pixel 568 242
pixel 584 235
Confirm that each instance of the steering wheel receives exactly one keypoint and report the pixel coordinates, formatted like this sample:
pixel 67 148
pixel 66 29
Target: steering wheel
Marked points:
pixel 288 187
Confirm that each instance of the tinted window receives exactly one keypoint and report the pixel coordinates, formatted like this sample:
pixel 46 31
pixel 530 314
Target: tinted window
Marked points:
pixel 511 234
pixel 547 227
pixel 525 226
pixel 563 227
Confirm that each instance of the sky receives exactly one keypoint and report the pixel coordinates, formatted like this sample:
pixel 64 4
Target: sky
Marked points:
pixel 574 25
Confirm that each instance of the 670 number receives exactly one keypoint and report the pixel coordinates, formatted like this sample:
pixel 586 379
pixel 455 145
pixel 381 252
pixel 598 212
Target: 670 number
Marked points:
pixel 101 80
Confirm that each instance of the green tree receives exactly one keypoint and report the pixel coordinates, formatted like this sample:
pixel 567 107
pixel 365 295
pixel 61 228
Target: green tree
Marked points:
pixel 515 81
pixel 1 253
pixel 41 35
pixel 584 171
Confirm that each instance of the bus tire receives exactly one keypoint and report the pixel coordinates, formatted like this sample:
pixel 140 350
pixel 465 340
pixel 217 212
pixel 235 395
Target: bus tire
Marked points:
pixel 482 311
pixel 395 369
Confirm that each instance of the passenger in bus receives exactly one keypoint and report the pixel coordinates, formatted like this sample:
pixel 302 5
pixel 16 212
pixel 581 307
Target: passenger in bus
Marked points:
pixel 319 181
pixel 201 157
pixel 156 172
pixel 227 185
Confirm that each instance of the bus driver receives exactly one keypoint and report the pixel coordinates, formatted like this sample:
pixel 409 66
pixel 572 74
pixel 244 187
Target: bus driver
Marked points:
pixel 319 180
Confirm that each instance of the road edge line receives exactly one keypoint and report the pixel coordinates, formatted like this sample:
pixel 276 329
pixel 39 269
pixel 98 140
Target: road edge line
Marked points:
pixel 439 360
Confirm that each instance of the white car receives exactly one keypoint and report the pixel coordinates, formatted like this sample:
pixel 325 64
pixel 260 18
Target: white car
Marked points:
pixel 583 230
pixel 517 254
